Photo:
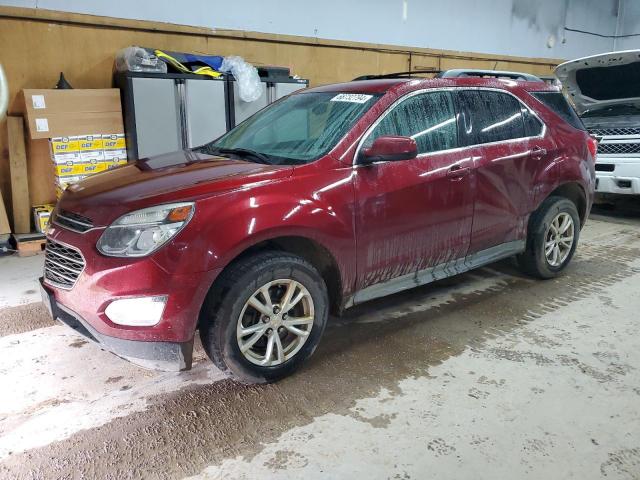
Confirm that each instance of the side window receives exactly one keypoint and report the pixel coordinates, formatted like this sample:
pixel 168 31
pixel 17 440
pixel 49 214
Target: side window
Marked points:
pixel 532 126
pixel 428 118
pixel 558 104
pixel 494 116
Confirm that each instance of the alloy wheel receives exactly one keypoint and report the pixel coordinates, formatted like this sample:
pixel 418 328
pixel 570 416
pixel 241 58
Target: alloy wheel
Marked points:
pixel 275 322
pixel 559 239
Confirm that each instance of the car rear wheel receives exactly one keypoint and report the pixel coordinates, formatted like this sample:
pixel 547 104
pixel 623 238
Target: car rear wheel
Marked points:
pixel 552 238
pixel 264 317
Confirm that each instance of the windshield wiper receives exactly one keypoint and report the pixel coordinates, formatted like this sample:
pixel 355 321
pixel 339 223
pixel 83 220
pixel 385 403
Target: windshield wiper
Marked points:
pixel 250 153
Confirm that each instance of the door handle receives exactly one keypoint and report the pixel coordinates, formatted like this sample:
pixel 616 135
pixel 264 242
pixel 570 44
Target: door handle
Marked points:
pixel 538 152
pixel 458 171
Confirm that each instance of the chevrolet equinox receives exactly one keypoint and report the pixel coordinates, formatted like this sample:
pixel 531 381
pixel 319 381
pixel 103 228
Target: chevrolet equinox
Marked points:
pixel 323 200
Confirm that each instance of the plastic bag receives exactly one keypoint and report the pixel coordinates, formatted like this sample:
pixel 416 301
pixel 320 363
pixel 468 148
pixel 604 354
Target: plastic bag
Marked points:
pixel 137 59
pixel 249 85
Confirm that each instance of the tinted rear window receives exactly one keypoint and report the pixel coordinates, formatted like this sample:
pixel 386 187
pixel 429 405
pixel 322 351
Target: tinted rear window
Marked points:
pixel 556 102
pixel 494 116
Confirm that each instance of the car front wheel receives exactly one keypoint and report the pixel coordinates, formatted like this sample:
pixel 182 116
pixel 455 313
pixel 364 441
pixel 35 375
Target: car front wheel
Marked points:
pixel 264 317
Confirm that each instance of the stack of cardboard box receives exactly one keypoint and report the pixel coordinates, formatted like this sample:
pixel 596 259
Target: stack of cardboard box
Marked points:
pixel 76 157
pixel 85 132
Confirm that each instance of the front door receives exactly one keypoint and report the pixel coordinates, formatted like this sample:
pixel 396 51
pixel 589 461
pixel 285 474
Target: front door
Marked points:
pixel 413 214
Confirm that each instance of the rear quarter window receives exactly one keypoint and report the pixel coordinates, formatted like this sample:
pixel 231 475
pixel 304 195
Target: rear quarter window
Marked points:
pixel 559 104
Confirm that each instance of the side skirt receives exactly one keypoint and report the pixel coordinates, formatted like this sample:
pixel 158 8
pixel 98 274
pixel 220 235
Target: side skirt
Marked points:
pixel 444 270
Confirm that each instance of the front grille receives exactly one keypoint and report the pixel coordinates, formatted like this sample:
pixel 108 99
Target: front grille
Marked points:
pixel 62 265
pixel 618 148
pixel 605 132
pixel 73 221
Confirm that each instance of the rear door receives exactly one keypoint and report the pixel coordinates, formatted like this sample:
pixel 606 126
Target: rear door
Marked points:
pixel 414 214
pixel 504 160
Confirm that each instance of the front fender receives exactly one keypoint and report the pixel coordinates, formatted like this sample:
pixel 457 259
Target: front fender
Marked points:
pixel 226 225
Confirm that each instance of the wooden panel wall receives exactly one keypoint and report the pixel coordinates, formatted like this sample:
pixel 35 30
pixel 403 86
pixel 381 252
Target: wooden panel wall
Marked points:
pixel 36 45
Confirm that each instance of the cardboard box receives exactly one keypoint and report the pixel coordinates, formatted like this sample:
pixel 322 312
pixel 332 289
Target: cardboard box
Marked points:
pixel 79 167
pixel 76 121
pixel 77 157
pixel 64 149
pixel 41 216
pixel 42 102
pixel 62 113
pixel 116 162
pixel 90 147
pixel 68 124
pixel 62 182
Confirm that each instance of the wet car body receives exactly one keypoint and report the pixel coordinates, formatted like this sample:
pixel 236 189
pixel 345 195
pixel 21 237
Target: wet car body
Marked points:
pixel 371 230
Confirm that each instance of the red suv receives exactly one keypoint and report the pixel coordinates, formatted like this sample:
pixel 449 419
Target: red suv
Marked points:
pixel 325 199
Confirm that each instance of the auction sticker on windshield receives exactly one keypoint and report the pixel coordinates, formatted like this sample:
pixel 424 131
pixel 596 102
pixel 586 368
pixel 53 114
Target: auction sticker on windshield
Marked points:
pixel 351 97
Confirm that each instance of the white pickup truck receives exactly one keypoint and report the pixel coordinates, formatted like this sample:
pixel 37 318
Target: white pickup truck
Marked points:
pixel 605 89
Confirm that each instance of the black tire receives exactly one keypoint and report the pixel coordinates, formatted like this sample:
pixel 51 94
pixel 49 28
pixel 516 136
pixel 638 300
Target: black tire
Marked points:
pixel 227 298
pixel 534 261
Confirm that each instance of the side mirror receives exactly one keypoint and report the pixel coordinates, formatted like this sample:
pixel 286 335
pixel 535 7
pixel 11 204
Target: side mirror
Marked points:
pixel 389 149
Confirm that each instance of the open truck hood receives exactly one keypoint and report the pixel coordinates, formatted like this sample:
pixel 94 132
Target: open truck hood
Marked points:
pixel 603 80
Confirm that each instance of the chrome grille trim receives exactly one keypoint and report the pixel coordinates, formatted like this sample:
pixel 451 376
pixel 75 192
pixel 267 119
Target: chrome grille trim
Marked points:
pixel 73 221
pixel 614 132
pixel 65 257
pixel 63 264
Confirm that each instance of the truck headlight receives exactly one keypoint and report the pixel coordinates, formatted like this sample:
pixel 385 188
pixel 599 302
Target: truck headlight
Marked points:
pixel 142 232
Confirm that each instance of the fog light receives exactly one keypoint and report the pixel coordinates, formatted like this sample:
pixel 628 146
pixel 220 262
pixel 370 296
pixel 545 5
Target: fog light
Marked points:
pixel 137 312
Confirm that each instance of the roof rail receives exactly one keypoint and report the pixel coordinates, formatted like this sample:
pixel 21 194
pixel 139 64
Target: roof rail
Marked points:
pixel 408 74
pixel 457 73
pixel 462 72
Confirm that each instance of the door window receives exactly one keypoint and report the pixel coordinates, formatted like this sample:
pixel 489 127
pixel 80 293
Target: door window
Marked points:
pixel 532 126
pixel 428 118
pixel 491 116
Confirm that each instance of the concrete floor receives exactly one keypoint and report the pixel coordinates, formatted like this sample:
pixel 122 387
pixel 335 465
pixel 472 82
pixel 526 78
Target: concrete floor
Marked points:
pixel 487 375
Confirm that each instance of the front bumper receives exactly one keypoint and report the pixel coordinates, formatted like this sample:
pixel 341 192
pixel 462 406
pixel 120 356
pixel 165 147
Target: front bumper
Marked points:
pixel 104 279
pixel 167 356
pixel 623 177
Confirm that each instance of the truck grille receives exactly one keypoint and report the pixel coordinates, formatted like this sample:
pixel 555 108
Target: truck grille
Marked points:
pixel 606 132
pixel 618 148
pixel 62 265
pixel 73 221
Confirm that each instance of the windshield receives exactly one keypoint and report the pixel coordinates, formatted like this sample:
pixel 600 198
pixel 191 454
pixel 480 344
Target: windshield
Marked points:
pixel 297 129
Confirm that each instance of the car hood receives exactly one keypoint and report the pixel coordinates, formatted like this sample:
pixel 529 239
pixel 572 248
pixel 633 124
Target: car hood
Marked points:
pixel 178 176
pixel 602 80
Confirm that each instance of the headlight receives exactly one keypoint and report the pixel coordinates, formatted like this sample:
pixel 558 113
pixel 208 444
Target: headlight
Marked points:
pixel 142 232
